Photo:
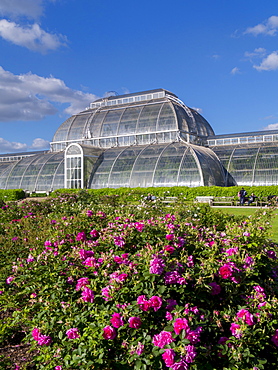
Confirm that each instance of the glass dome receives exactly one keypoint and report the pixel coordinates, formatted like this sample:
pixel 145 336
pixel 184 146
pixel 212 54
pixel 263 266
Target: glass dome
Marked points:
pixel 140 118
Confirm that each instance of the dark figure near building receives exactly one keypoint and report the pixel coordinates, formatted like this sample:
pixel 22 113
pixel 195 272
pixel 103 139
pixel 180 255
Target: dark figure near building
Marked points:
pixel 242 195
pixel 251 199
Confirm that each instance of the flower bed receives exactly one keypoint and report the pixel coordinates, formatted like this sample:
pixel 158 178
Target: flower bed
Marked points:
pixel 94 287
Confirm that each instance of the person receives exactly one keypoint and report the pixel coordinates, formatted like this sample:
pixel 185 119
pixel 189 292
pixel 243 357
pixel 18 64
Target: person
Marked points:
pixel 149 197
pixel 242 195
pixel 251 199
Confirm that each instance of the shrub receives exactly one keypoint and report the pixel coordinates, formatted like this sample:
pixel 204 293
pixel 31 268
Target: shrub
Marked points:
pixel 139 287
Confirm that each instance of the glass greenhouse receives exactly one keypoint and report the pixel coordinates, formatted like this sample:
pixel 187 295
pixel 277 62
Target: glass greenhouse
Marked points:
pixel 142 139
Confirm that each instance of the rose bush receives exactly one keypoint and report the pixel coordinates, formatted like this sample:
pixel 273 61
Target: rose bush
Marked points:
pixel 97 287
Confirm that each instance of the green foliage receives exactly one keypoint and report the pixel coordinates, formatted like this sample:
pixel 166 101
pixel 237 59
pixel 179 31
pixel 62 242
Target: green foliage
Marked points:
pixel 133 195
pixel 9 195
pixel 186 262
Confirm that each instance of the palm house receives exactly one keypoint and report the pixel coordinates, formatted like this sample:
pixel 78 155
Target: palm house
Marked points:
pixel 143 139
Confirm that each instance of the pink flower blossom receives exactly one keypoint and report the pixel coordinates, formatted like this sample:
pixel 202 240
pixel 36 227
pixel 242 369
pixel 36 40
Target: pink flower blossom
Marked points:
pixel 135 322
pixel 168 316
pixel 274 338
pixel 35 334
pixel 160 340
pixel 58 367
pixel 94 233
pixel 81 237
pixel 156 302
pixel 236 331
pixel 109 332
pixel 83 253
pixel 117 320
pixel 194 335
pixel 119 241
pixel 9 279
pixel 246 316
pixel 174 277
pixel 181 365
pixel 231 251
pixel 190 354
pixel 169 357
pixel 88 295
pixel 225 271
pixel 143 303
pixel 157 266
pixel 180 324
pixel 169 248
pixel 44 340
pixel 106 292
pixel 140 348
pixel 170 236
pixel 73 333
pixel 81 283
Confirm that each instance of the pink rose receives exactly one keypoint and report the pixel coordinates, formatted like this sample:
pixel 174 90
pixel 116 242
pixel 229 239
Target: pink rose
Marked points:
pixel 94 233
pixel 135 322
pixel 35 334
pixel 109 332
pixel 88 295
pixel 143 303
pixel 236 331
pixel 117 320
pixel 169 357
pixel 180 324
pixel 225 271
pixel 246 316
pixel 73 333
pixel 160 340
pixel 44 340
pixel 82 282
pixel 156 302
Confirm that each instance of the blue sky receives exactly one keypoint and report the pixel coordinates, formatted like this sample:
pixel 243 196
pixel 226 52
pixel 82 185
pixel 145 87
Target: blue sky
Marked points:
pixel 57 56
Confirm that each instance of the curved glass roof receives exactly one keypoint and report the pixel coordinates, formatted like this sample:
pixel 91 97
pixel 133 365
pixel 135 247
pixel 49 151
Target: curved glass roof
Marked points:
pixel 174 164
pixel 41 172
pixel 159 112
pixel 255 164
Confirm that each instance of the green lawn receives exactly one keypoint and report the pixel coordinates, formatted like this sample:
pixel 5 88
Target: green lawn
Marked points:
pixel 249 211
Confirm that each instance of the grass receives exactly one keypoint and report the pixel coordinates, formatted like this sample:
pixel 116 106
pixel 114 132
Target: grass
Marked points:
pixel 250 211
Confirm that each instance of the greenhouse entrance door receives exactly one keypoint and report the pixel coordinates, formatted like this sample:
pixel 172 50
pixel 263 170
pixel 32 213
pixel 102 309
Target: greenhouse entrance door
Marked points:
pixel 74 173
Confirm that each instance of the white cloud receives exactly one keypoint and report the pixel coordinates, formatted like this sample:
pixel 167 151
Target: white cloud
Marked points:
pixel 8 146
pixel 270 63
pixel 13 146
pixel 257 53
pixel 39 143
pixel 272 126
pixel 235 71
pixel 24 34
pixel 268 27
pixel 29 97
pixel 17 8
pixel 32 36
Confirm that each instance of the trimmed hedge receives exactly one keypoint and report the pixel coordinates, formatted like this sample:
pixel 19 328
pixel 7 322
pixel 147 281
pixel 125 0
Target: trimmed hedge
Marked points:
pixel 181 192
pixel 14 194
